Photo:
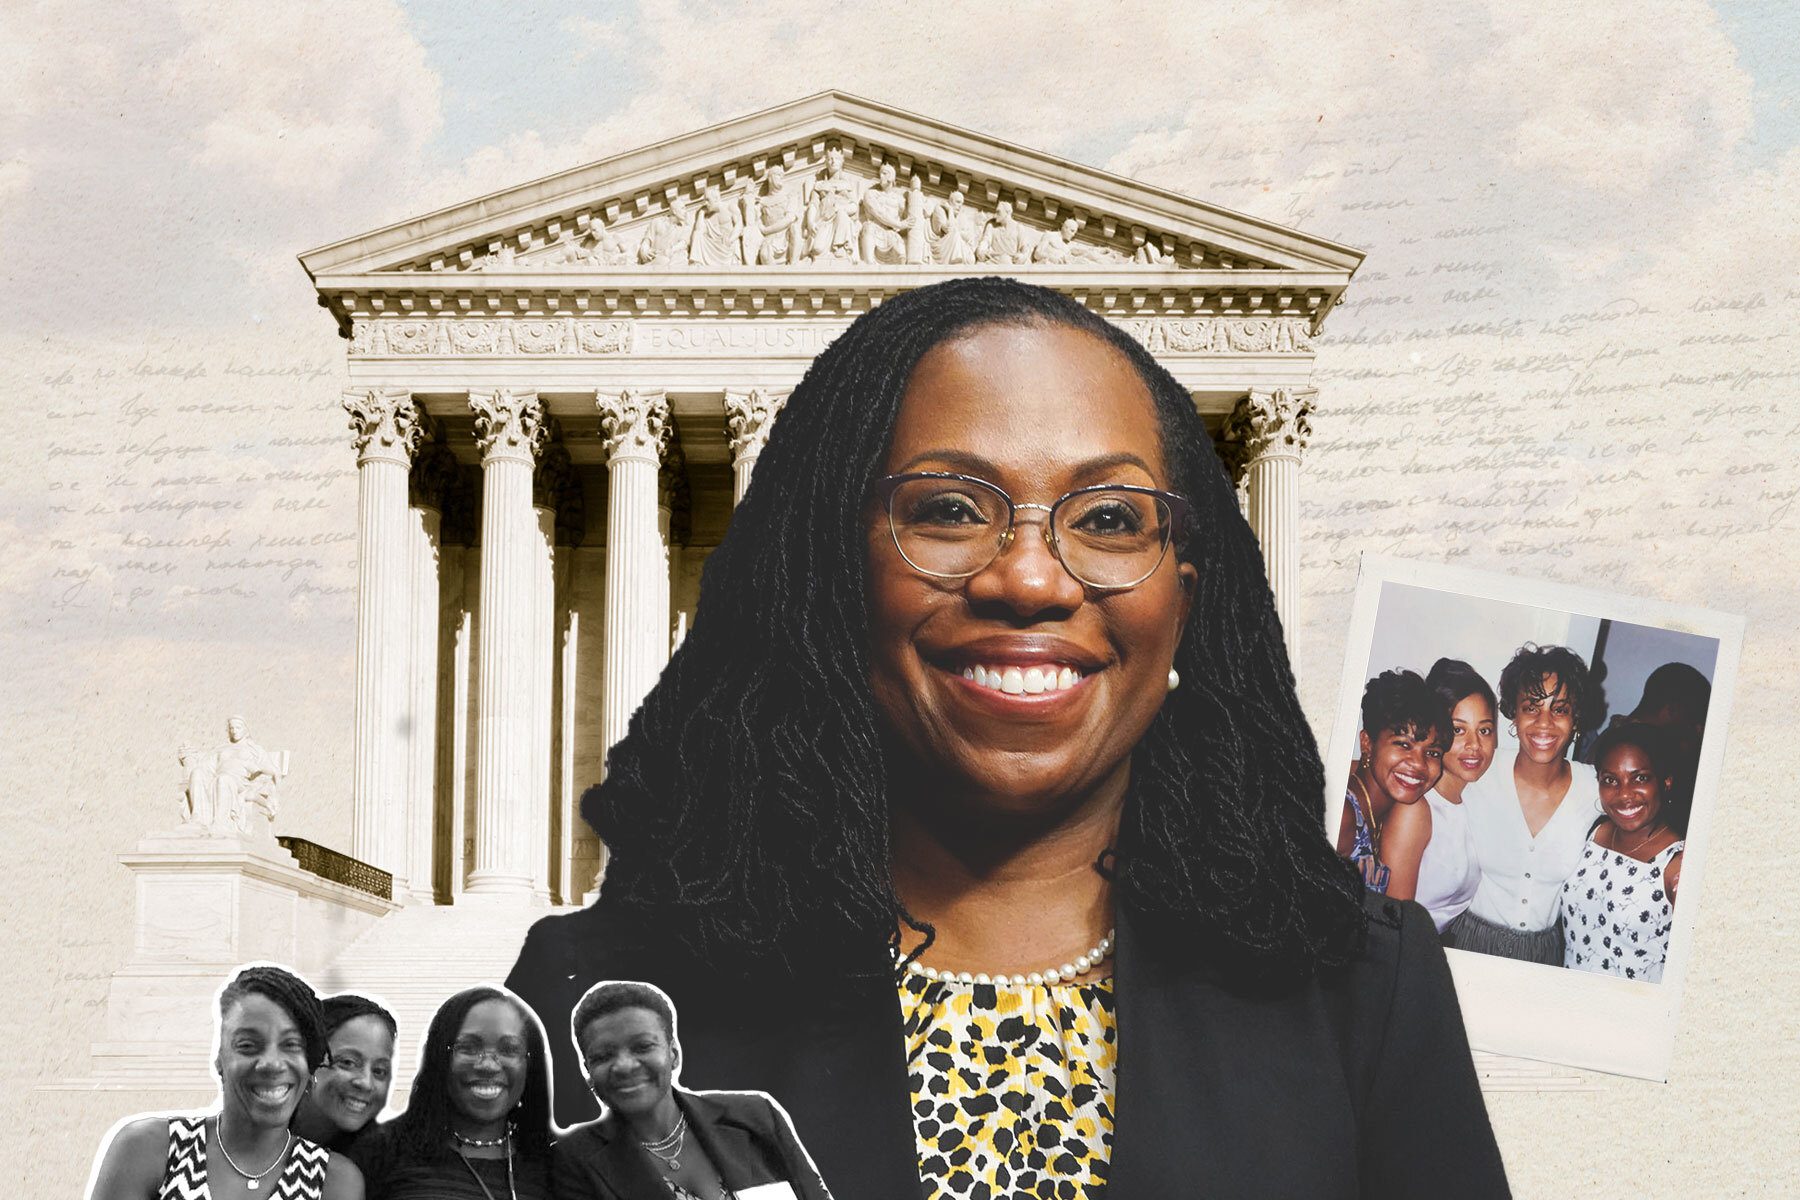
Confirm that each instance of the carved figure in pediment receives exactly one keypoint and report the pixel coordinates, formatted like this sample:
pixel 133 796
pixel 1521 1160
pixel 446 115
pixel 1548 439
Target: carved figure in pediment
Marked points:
pixel 665 242
pixel 501 259
pixel 1058 245
pixel 231 789
pixel 915 211
pixel 774 219
pixel 948 238
pixel 885 226
pixel 1003 239
pixel 716 237
pixel 566 250
pixel 831 211
pixel 1147 251
pixel 608 250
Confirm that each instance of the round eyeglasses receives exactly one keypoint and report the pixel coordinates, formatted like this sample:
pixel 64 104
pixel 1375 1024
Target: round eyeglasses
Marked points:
pixel 1111 536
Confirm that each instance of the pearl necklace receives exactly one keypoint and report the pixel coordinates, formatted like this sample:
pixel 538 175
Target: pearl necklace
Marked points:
pixel 1066 973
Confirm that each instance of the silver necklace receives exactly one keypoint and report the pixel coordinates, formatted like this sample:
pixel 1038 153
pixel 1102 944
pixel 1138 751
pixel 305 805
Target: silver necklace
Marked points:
pixel 668 1148
pixel 1065 973
pixel 251 1182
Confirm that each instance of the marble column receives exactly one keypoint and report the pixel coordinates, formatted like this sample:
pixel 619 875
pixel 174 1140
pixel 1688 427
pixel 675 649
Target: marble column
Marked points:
pixel 553 474
pixel 1262 441
pixel 387 427
pixel 748 418
pixel 434 473
pixel 634 426
pixel 510 431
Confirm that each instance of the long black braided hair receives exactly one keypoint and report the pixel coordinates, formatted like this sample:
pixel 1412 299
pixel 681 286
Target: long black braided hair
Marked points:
pixel 746 808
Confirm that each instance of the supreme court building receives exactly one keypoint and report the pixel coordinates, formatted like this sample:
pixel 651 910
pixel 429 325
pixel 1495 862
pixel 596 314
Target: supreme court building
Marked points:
pixel 559 391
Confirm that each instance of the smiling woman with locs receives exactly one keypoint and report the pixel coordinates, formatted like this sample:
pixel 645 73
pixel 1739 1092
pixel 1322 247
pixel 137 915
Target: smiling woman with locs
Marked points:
pixel 477 1122
pixel 657 1141
pixel 977 821
pixel 271 1038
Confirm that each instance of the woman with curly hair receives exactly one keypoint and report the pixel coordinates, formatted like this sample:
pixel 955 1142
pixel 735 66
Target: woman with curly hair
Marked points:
pixel 477 1123
pixel 977 821
pixel 271 1040
pixel 1530 825
pixel 1385 828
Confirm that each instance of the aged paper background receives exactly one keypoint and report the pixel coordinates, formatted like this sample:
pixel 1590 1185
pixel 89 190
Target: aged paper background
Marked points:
pixel 1572 353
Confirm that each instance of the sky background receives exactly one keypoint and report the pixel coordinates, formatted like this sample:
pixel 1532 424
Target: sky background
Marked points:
pixel 1569 355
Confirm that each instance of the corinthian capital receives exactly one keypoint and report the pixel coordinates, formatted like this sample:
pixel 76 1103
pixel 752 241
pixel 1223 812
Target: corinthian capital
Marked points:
pixel 385 424
pixel 748 416
pixel 509 424
pixel 1266 425
pixel 634 423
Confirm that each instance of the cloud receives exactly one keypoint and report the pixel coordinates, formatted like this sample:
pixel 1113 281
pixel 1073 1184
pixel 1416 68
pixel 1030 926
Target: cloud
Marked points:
pixel 178 154
pixel 244 134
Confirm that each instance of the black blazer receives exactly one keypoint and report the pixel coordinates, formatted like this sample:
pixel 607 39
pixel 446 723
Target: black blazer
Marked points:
pixel 1355 1084
pixel 748 1140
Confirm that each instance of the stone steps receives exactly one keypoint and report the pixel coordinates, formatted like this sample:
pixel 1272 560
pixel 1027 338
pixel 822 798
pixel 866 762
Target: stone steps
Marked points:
pixel 415 959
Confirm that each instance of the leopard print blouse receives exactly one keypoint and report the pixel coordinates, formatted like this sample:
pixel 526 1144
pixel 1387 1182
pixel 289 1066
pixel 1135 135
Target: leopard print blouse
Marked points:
pixel 1012 1087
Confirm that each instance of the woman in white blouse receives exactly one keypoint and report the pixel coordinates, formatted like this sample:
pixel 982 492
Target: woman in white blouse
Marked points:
pixel 1530 833
pixel 1450 870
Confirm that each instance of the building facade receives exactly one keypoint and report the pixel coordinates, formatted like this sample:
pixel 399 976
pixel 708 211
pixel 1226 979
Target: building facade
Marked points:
pixel 558 393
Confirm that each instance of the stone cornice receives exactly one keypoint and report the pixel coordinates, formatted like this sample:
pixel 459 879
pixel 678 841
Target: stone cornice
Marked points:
pixel 788 292
pixel 420 339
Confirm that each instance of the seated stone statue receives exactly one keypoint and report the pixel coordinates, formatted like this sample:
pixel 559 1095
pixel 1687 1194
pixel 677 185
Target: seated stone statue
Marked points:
pixel 1003 240
pixel 231 790
pixel 885 226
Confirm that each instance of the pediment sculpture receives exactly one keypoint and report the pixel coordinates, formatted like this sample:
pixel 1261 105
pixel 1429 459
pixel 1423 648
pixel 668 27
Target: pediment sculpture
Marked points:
pixel 832 218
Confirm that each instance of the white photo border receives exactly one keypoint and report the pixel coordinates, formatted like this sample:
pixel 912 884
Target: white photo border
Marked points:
pixel 1575 1018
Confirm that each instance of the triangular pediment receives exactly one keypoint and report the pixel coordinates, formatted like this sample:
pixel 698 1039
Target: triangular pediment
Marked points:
pixel 841 183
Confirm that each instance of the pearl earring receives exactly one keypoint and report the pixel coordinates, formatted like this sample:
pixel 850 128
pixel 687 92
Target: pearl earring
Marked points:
pixel 1174 679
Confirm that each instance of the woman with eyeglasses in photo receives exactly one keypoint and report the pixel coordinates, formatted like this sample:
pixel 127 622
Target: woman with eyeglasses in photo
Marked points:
pixel 1531 823
pixel 350 1088
pixel 1450 870
pixel 271 1039
pixel 1618 905
pixel 477 1121
pixel 976 819
pixel 1386 825
pixel 657 1141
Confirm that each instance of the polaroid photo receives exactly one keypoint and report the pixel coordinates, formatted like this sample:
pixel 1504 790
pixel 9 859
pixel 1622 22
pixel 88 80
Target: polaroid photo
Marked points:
pixel 1538 765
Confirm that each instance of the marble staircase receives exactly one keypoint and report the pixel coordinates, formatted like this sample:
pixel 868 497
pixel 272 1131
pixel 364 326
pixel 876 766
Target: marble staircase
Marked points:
pixel 415 959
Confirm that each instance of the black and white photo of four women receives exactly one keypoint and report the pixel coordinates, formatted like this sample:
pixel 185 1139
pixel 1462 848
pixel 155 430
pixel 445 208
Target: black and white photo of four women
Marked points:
pixel 302 1082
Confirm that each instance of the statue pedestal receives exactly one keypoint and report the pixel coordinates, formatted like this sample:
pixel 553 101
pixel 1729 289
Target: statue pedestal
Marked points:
pixel 207 905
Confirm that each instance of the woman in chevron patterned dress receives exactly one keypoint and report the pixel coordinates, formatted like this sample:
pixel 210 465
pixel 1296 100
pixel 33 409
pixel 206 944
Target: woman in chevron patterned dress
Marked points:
pixel 271 1038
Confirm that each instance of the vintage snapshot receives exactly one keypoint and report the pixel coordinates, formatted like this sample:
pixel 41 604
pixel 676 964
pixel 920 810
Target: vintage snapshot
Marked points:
pixel 1536 765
